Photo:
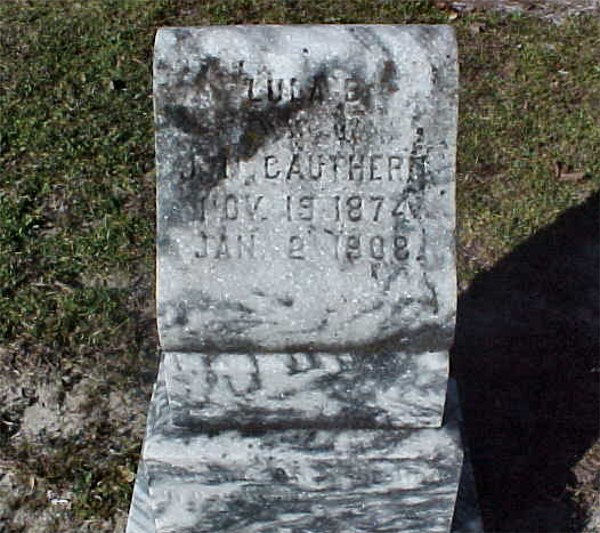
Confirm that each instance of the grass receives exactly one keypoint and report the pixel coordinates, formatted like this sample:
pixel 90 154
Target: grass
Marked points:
pixel 528 103
pixel 77 192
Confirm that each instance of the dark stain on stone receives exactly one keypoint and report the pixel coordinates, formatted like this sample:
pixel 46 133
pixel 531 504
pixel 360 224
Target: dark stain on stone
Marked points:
pixel 286 301
pixel 181 318
pixel 184 119
pixel 242 308
pixel 161 65
pixel 225 130
pixel 320 88
pixel 388 76
pixel 200 302
pixel 250 431
pixel 434 75
pixel 182 34
pixel 432 301
pixel 280 475
pixel 260 125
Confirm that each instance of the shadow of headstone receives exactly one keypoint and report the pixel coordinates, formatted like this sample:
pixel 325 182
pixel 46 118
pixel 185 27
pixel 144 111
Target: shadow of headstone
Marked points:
pixel 526 359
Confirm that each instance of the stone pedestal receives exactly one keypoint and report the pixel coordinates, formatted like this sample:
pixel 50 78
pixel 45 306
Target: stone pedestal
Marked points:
pixel 306 282
pixel 297 479
pixel 375 390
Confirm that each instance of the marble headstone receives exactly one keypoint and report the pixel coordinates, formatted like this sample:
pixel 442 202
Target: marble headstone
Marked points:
pixel 306 206
pixel 306 187
pixel 305 281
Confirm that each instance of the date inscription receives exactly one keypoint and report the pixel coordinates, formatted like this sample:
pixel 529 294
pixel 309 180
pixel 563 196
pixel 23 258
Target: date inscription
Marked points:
pixel 348 208
pixel 304 245
pixel 344 227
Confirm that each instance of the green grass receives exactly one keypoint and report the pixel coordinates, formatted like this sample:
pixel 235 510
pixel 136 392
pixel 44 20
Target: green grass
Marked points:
pixel 528 101
pixel 77 192
pixel 74 156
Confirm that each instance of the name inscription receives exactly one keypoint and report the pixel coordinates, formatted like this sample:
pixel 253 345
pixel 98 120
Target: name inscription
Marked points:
pixel 318 88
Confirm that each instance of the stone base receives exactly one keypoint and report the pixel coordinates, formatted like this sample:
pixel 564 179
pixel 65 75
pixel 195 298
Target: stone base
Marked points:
pixel 466 519
pixel 141 516
pixel 297 480
pixel 282 390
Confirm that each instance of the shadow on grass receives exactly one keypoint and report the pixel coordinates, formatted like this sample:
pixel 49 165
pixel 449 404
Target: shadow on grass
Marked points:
pixel 526 359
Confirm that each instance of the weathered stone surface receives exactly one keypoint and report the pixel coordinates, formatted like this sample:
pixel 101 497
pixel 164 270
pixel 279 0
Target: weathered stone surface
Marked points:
pixel 337 480
pixel 466 518
pixel 390 389
pixel 305 187
pixel 141 515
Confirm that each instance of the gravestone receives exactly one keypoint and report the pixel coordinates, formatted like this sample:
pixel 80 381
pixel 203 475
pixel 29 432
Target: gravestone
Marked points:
pixel 306 281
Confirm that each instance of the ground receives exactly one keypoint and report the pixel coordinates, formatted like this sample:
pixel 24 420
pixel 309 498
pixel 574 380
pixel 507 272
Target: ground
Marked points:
pixel 79 346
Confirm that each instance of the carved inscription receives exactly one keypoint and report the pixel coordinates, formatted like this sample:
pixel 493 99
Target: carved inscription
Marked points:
pixel 322 194
pixel 351 208
pixel 350 226
pixel 336 167
pixel 318 88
